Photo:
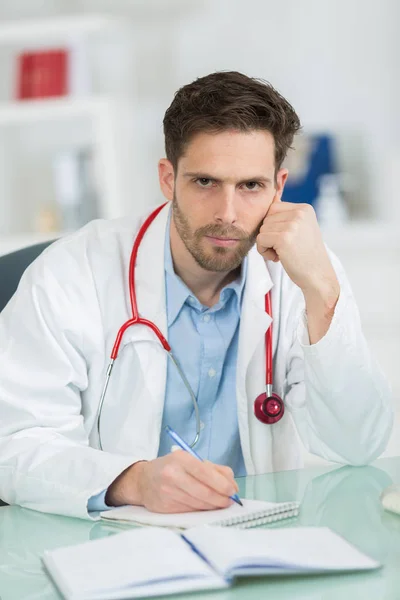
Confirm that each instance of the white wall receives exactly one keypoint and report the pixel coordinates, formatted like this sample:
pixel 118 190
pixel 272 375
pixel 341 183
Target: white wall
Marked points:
pixel 337 63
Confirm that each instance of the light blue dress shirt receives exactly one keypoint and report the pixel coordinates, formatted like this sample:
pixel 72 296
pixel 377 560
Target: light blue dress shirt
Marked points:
pixel 205 343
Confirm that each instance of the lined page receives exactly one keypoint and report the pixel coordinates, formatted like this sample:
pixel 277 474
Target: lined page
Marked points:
pixel 298 548
pixel 249 510
pixel 134 558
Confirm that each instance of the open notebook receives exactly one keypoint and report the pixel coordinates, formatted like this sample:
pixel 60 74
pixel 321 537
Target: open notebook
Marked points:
pixel 251 514
pixel 156 561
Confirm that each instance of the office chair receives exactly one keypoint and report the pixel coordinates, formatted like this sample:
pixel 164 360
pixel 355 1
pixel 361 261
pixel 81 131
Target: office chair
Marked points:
pixel 12 267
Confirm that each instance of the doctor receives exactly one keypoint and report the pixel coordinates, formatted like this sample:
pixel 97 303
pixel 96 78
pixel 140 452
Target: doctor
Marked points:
pixel 205 264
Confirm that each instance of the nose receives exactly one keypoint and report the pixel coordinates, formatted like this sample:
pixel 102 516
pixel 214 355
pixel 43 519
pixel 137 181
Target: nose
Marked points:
pixel 225 206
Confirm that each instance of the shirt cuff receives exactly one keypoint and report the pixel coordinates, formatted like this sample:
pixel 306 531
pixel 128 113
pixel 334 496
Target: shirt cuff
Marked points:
pixel 98 503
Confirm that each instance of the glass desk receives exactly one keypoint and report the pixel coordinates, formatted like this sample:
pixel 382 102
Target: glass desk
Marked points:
pixel 346 499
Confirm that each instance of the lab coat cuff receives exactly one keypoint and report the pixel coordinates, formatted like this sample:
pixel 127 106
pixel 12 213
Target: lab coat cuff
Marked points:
pixel 334 331
pixel 113 466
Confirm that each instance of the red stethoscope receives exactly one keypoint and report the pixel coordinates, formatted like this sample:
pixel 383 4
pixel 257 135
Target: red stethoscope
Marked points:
pixel 268 406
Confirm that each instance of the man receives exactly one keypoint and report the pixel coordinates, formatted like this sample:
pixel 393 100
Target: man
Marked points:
pixel 224 240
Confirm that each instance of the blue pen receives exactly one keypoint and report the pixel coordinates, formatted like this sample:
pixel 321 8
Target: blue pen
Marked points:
pixel 187 448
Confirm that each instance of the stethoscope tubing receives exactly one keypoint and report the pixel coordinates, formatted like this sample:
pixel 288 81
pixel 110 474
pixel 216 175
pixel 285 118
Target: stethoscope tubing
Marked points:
pixel 261 401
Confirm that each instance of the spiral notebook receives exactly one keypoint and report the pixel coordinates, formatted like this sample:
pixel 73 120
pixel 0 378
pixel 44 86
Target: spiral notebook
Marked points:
pixel 251 514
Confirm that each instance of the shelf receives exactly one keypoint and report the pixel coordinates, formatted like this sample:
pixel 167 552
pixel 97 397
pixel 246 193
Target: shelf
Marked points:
pixel 57 28
pixel 26 111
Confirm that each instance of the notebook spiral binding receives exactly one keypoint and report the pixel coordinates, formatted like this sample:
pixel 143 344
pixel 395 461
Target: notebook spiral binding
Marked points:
pixel 286 511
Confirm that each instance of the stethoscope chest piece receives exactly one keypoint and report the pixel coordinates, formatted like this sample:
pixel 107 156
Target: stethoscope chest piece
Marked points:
pixel 269 409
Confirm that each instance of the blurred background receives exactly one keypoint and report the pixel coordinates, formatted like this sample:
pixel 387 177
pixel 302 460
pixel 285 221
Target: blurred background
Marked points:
pixel 85 83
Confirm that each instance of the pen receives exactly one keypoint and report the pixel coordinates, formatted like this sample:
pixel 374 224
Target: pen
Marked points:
pixel 182 444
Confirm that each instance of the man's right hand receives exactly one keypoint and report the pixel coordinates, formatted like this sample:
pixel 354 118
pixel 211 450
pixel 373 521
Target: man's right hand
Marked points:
pixel 174 483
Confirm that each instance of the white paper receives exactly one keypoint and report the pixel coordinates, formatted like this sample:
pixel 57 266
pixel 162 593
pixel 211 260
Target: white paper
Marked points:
pixel 111 567
pixel 300 549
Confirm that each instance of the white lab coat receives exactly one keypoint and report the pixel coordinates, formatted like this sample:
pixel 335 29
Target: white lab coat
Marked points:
pixel 56 335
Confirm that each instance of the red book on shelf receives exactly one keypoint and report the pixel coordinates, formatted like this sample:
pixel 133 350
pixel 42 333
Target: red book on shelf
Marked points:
pixel 42 74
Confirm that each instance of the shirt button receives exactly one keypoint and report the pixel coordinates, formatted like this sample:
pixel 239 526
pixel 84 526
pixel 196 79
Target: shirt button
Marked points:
pixel 206 318
pixel 191 300
pixel 201 425
pixel 212 372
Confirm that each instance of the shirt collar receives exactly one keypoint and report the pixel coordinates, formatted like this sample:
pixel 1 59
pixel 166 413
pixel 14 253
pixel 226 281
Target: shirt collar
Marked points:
pixel 177 292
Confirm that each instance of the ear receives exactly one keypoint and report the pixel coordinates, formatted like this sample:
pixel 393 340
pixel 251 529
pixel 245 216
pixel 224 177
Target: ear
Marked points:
pixel 166 177
pixel 281 178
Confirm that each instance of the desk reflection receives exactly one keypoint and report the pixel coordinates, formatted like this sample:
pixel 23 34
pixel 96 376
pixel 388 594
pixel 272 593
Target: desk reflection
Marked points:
pixel 345 499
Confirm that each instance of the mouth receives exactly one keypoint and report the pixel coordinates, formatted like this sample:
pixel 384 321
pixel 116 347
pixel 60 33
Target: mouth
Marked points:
pixel 224 242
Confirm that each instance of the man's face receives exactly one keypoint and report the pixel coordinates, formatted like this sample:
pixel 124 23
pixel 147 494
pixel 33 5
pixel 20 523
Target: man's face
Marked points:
pixel 223 188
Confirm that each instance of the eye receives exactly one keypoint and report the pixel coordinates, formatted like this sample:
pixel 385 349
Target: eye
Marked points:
pixel 204 182
pixel 252 185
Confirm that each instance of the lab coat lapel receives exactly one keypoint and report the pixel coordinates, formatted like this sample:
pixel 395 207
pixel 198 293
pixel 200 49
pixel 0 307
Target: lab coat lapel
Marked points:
pixel 253 325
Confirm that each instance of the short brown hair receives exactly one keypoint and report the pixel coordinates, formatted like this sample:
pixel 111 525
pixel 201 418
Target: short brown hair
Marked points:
pixel 228 100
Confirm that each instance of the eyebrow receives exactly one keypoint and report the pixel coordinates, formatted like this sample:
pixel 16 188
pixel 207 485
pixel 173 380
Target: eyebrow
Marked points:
pixel 200 175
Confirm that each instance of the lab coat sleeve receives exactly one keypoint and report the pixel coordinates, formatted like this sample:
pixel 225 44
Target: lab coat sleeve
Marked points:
pixel 336 392
pixel 46 463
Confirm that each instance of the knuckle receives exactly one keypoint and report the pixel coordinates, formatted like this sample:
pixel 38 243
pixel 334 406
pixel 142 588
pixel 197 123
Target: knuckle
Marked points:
pixel 169 472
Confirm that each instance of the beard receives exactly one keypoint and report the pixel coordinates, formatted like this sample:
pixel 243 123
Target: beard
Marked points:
pixel 217 258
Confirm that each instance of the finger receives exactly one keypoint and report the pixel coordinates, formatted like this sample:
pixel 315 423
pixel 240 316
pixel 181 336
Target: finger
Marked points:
pixel 280 217
pixel 228 472
pixel 170 506
pixel 275 227
pixel 268 241
pixel 206 473
pixel 188 491
pixel 201 496
pixel 270 255
pixel 281 207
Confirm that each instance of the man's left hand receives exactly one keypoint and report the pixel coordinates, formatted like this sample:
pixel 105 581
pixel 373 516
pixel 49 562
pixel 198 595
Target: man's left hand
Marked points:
pixel 290 234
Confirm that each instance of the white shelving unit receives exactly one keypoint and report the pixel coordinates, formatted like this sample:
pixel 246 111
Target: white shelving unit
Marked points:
pixel 96 117
pixel 56 28
pixel 18 113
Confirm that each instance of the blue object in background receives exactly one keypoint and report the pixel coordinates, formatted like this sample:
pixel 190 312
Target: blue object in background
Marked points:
pixel 321 161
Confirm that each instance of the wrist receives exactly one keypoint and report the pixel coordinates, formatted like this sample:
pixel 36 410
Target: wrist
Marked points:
pixel 322 297
pixel 127 488
pixel 320 308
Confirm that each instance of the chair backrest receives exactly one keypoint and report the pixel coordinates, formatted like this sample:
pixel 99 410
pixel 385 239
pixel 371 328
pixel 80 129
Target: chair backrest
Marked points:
pixel 12 267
